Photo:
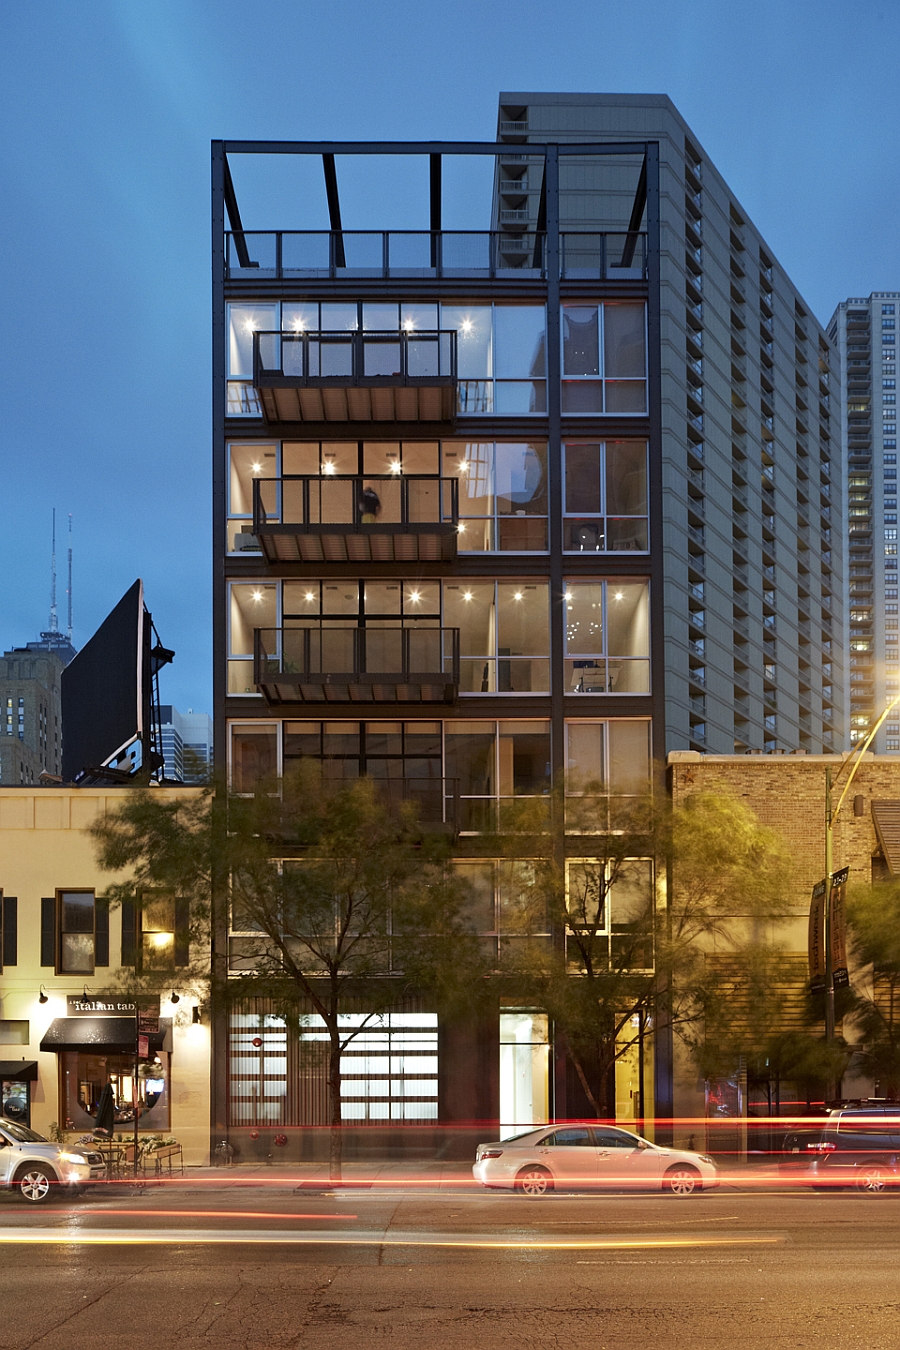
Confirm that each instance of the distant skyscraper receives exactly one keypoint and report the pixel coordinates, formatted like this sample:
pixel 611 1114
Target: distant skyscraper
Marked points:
pixel 30 709
pixel 187 744
pixel 865 333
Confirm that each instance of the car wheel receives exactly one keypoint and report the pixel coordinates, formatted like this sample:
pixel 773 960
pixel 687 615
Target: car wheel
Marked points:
pixel 872 1180
pixel 682 1180
pixel 534 1181
pixel 35 1183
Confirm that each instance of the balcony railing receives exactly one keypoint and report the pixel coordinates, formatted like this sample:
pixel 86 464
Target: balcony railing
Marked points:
pixel 336 661
pixel 356 376
pixel 357 518
pixel 257 255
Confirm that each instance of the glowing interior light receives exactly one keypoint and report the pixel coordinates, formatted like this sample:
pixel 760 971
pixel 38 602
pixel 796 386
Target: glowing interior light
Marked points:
pixel 467 595
pixel 414 596
pixel 467 325
pixel 395 466
pixel 618 596
pixel 464 466
pixel 309 596
pixel 257 468
pixel 461 528
pixel 409 325
pixel 250 326
pixel 256 595
pixel 518 595
pixel 328 467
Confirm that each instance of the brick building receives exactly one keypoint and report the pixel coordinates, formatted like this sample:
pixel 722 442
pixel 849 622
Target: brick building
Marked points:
pixel 787 794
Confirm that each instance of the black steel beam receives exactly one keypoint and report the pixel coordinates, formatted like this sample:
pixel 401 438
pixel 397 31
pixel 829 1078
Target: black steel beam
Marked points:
pixel 435 207
pixel 541 227
pixel 425 148
pixel 637 215
pixel 334 209
pixel 234 215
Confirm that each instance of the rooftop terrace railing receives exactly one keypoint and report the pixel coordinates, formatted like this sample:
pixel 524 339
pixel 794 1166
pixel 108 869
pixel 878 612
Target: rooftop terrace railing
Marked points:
pixel 331 254
pixel 255 255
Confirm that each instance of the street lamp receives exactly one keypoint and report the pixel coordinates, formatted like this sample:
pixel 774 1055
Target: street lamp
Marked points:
pixel 831 815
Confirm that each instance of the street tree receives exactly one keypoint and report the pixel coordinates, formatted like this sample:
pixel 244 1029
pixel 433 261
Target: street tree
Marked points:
pixel 873 924
pixel 349 910
pixel 641 907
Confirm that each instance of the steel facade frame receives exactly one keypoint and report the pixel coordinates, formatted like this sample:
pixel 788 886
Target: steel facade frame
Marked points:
pixel 553 428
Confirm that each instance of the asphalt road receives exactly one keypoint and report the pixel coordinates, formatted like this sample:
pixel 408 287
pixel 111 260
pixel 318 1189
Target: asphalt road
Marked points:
pixel 256 1267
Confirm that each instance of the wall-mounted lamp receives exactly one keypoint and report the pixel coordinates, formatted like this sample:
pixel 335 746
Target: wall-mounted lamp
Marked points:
pixel 195 1015
pixel 174 998
pixel 43 996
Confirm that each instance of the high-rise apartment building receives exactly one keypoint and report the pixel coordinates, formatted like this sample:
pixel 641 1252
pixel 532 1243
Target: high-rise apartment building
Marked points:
pixel 186 744
pixel 511 511
pixel 865 334
pixel 31 709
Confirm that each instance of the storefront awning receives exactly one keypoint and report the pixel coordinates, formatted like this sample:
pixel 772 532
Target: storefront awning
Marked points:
pixel 114 1034
pixel 19 1070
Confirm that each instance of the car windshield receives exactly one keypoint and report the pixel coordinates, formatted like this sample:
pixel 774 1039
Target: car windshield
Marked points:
pixel 22 1134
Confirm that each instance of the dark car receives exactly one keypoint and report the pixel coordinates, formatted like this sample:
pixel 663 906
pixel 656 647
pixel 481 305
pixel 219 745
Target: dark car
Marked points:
pixel 857 1145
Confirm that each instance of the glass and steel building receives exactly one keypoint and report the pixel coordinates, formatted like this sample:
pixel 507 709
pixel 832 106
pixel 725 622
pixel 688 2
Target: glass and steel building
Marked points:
pixel 508 511
pixel 864 330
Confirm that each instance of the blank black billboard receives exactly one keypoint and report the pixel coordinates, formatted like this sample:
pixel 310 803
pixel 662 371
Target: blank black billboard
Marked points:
pixel 106 688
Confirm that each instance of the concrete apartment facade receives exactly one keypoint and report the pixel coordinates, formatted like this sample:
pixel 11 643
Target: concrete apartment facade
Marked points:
pixel 864 331
pixel 750 436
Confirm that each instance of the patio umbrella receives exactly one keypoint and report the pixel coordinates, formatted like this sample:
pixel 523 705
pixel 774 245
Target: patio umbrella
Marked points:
pixel 106 1109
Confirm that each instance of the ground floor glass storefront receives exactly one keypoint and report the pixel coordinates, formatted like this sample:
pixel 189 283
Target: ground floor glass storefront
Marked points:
pixel 84 1075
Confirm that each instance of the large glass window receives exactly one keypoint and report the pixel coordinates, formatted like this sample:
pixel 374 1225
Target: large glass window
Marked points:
pixel 502 495
pixel 605 497
pixel 507 904
pixel 607 766
pixel 83 1077
pixel 494 766
pixel 247 463
pixel 252 605
pixel 604 358
pixel 501 357
pixel 253 754
pixel 504 635
pixel 609 909
pixel 243 321
pixel 607 637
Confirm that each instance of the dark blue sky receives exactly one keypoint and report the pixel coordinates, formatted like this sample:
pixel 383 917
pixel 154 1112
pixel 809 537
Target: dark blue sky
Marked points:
pixel 108 108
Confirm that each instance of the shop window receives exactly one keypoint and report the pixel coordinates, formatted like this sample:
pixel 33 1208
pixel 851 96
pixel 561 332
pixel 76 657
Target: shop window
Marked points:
pixel 605 497
pixel 524 1070
pixel 604 358
pixel 607 637
pixel 502 495
pixel 84 1075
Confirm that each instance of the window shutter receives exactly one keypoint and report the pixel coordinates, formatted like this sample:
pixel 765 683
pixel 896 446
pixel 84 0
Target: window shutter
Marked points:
pixel 48 931
pixel 182 931
pixel 128 933
pixel 101 935
pixel 10 931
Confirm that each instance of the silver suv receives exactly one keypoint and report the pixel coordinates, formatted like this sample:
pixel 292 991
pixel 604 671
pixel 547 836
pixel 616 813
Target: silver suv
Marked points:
pixel 37 1169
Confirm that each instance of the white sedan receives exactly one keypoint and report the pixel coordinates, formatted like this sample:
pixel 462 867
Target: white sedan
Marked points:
pixel 584 1157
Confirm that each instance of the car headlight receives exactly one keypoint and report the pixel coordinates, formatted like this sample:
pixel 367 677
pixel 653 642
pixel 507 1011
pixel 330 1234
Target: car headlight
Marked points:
pixel 74 1158
pixel 704 1157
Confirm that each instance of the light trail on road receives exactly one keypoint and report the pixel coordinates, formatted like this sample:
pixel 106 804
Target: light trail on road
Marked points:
pixel 250 1236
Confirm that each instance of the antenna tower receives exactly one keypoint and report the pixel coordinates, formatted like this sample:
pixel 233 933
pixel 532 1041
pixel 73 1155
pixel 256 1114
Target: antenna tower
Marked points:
pixel 69 587
pixel 54 621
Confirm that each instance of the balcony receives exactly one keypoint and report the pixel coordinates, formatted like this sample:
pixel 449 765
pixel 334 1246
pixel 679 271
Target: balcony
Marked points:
pixel 356 518
pixel 608 257
pixel 336 661
pixel 352 376
pixel 260 255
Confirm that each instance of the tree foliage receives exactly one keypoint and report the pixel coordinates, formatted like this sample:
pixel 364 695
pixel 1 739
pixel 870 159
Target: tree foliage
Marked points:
pixel 873 922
